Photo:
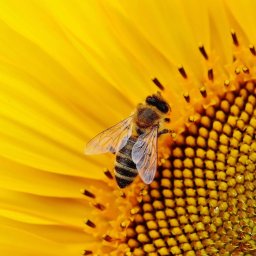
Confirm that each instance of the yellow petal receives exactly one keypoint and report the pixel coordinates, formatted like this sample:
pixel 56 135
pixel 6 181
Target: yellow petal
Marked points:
pixel 69 70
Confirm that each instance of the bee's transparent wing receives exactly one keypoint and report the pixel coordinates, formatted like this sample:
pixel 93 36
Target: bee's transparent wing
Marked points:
pixel 144 155
pixel 112 139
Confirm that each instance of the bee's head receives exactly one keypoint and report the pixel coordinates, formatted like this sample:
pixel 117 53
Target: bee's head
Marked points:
pixel 157 101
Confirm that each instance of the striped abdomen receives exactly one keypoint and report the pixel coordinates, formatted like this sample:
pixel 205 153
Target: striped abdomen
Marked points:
pixel 125 168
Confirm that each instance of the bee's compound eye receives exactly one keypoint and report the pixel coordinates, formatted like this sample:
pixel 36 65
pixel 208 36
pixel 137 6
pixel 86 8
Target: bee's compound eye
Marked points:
pixel 158 103
pixel 151 100
pixel 163 107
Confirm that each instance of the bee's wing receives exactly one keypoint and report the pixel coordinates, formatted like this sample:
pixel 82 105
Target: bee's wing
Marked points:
pixel 144 155
pixel 112 139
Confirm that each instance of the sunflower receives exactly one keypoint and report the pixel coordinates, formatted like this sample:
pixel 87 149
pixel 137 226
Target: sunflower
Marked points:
pixel 70 69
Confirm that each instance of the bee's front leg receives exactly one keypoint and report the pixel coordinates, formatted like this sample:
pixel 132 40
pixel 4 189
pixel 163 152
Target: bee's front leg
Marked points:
pixel 164 131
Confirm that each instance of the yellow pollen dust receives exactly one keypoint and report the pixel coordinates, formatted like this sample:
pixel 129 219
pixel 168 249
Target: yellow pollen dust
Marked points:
pixel 202 200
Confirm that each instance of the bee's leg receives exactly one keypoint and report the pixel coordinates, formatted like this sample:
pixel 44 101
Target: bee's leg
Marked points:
pixel 139 131
pixel 112 150
pixel 164 131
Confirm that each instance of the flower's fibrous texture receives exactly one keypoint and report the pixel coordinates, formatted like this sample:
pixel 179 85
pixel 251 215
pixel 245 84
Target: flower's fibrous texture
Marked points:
pixel 70 69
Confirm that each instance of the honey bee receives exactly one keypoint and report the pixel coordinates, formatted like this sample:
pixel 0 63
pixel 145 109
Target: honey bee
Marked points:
pixel 134 140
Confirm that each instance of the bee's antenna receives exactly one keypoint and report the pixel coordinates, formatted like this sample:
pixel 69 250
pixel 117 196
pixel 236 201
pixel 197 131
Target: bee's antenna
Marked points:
pixel 158 84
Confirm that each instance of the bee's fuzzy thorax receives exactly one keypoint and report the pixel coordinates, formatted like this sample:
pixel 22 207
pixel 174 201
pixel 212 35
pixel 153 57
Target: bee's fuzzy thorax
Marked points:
pixel 146 117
